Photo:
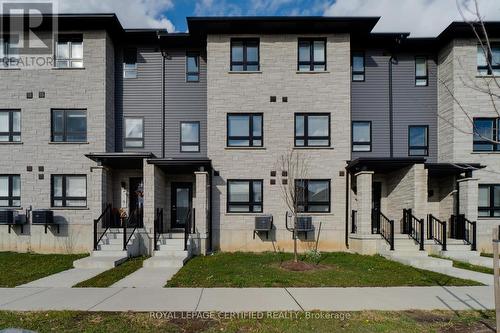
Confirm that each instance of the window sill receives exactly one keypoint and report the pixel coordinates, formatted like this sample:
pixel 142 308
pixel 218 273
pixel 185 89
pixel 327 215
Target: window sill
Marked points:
pixel 69 68
pixel 310 148
pixel 485 152
pixel 10 68
pixel 244 72
pixel 485 76
pixel 12 208
pixel 245 148
pixel 312 72
pixel 11 143
pixel 68 143
pixel 244 214
pixel 69 208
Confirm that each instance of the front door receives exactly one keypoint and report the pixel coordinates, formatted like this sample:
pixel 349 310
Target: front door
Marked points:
pixel 181 203
pixel 136 200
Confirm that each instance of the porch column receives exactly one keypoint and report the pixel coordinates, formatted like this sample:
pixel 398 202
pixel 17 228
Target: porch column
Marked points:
pixel 201 207
pixel 149 196
pixel 468 197
pixel 421 191
pixel 364 181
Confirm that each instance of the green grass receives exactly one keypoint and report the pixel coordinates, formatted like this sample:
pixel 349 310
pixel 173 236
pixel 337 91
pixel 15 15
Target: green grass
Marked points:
pixel 348 322
pixel 466 265
pixel 107 278
pixel 20 268
pixel 344 270
pixel 488 255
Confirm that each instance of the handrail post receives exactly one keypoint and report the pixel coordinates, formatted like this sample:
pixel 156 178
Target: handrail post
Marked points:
pixel 95 235
pixel 125 235
pixel 421 234
pixel 392 234
pixel 155 225
pixel 474 238
pixel 444 237
pixel 430 227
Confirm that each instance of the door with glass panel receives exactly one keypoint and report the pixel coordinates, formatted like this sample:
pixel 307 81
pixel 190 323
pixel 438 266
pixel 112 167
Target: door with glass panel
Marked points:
pixel 181 204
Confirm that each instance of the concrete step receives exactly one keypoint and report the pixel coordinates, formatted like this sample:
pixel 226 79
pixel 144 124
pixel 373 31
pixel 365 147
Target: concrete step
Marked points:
pixel 471 257
pixel 170 253
pixel 174 241
pixel 106 262
pixel 173 235
pixel 117 253
pixel 422 262
pixel 408 253
pixel 457 247
pixel 160 261
pixel 170 247
pixel 110 247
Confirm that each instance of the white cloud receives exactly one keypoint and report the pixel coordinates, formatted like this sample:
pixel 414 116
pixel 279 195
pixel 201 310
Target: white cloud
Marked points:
pixel 132 13
pixel 216 8
pixel 420 17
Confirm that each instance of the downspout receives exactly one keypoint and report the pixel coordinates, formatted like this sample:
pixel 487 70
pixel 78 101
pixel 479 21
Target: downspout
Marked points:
pixel 391 116
pixel 163 58
pixel 348 177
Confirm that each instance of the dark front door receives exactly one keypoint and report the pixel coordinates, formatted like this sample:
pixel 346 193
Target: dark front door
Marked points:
pixel 376 198
pixel 136 201
pixel 181 203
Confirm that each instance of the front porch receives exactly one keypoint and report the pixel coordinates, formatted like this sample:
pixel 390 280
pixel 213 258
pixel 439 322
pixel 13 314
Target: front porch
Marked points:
pixel 421 206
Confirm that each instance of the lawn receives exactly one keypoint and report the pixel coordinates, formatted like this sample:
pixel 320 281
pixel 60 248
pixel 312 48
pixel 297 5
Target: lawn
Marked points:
pixel 20 268
pixel 340 269
pixel 318 322
pixel 107 278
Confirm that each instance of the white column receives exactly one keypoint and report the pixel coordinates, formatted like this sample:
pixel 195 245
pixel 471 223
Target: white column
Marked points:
pixel 201 207
pixel 364 181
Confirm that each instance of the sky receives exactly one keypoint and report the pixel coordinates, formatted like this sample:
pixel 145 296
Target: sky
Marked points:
pixel 419 17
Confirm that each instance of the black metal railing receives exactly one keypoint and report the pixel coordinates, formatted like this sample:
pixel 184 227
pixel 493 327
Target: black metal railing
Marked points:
pixel 135 220
pixel 414 227
pixel 385 227
pixel 436 230
pixel 470 233
pixel 457 226
pixel 104 220
pixel 188 225
pixel 354 221
pixel 158 227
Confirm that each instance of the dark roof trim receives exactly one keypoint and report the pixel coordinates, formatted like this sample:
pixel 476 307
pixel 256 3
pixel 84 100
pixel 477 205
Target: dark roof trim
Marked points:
pixel 180 162
pixel 382 164
pixel 120 160
pixel 444 169
pixel 460 29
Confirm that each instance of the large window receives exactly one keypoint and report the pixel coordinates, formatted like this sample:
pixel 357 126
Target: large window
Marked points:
pixel 9 54
pixel 190 136
pixel 489 200
pixel 134 132
pixel 358 66
pixel 244 130
pixel 312 55
pixel 245 55
pixel 485 58
pixel 313 196
pixel 192 67
pixel 312 129
pixel 418 140
pixel 130 63
pixel 244 196
pixel 69 126
pixel 421 71
pixel 69 191
pixel 69 51
pixel 10 126
pixel 361 136
pixel 10 191
pixel 486 134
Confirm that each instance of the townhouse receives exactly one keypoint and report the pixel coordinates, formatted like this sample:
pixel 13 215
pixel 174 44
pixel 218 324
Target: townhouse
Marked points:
pixel 145 141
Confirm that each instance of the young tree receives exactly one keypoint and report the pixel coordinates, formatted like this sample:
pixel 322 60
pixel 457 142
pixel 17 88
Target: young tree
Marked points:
pixel 293 168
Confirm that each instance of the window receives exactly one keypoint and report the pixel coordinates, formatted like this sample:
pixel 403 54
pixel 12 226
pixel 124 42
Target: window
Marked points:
pixel 9 54
pixel 10 191
pixel 245 55
pixel 358 66
pixel 312 55
pixel 312 130
pixel 486 134
pixel 244 196
pixel 130 63
pixel 134 132
pixel 244 130
pixel 361 136
pixel 418 140
pixel 69 126
pixel 489 200
pixel 192 67
pixel 492 58
pixel 421 72
pixel 313 196
pixel 190 136
pixel 69 191
pixel 69 51
pixel 10 126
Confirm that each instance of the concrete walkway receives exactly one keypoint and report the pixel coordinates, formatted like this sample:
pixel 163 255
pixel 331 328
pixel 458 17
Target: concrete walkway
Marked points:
pixel 65 279
pixel 148 277
pixel 247 299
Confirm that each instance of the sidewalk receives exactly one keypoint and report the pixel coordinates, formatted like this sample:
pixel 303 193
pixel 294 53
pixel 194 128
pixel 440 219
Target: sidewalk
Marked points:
pixel 247 299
